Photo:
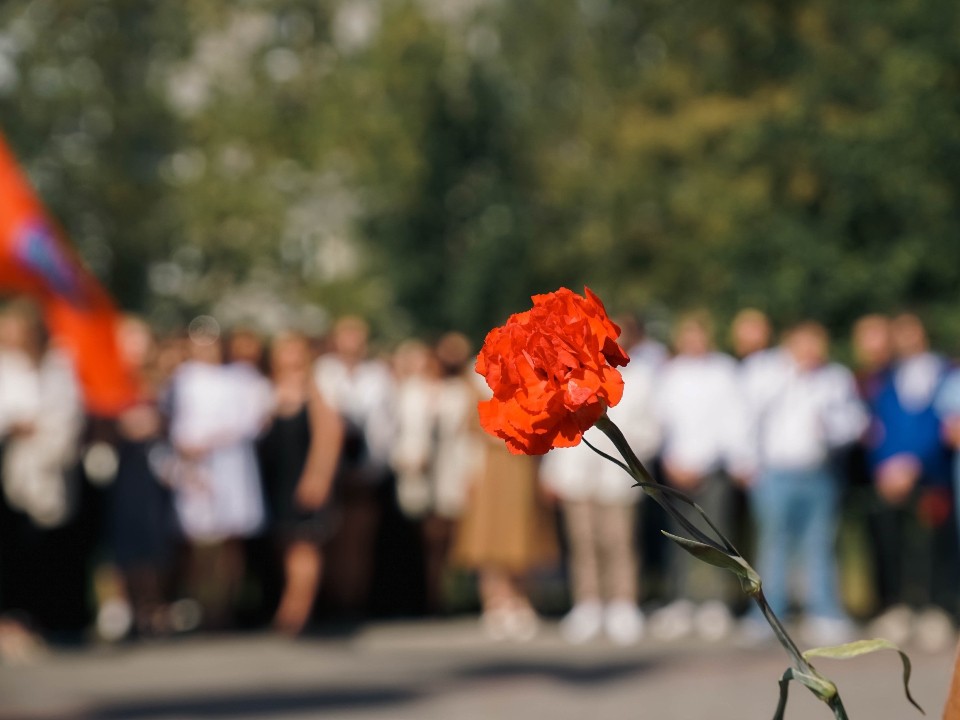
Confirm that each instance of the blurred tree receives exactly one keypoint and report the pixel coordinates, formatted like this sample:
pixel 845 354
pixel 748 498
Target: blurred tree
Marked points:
pixel 76 104
pixel 429 163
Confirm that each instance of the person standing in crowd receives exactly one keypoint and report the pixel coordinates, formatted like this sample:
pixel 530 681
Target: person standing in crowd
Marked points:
pixel 415 374
pixel 804 409
pixel 142 525
pixel 948 407
pixel 245 356
pixel 911 469
pixel 437 451
pixel 298 456
pixel 361 390
pixel 42 570
pixel 872 354
pixel 642 348
pixel 506 531
pixel 703 417
pixel 598 510
pixel 216 416
pixel 872 351
pixel 750 334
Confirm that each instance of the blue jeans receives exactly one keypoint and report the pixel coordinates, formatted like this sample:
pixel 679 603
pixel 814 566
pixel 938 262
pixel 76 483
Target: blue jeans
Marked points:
pixel 797 515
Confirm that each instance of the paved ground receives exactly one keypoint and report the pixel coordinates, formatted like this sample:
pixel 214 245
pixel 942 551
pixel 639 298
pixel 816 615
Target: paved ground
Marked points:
pixel 443 671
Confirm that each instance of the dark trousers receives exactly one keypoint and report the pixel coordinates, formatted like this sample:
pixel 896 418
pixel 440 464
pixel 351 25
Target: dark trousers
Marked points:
pixel 916 551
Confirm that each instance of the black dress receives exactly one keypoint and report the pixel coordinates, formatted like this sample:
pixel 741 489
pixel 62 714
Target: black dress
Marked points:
pixel 142 520
pixel 283 452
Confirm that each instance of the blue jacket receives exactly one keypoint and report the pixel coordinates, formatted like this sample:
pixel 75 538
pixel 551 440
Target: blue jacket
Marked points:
pixel 911 431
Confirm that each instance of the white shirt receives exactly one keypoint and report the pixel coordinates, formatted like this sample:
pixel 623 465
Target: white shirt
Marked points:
pixel 221 409
pixel 916 380
pixel 702 413
pixel 800 416
pixel 48 397
pixel 578 473
pixel 437 452
pixel 364 395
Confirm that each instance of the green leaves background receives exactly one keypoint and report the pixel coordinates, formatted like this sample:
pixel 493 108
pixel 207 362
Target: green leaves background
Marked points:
pixel 431 163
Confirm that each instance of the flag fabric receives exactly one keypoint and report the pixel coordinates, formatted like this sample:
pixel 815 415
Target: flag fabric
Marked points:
pixel 81 317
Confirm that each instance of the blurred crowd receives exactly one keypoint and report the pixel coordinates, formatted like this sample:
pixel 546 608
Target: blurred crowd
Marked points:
pixel 274 480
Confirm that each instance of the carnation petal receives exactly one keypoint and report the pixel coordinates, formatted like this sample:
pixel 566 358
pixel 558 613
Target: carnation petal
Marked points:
pixel 552 370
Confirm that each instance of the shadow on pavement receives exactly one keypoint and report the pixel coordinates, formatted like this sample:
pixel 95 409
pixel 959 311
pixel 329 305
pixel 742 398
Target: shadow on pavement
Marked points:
pixel 565 672
pixel 239 705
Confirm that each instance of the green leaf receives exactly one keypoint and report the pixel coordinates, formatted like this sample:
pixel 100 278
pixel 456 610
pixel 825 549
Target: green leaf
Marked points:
pixel 749 578
pixel 864 647
pixel 820 686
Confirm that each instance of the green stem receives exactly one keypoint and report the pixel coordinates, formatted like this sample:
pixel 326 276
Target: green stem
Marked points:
pixel 666 500
pixel 839 712
pixel 799 661
pixel 651 486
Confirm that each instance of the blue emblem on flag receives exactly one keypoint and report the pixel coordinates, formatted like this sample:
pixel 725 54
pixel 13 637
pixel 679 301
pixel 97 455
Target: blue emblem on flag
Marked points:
pixel 37 250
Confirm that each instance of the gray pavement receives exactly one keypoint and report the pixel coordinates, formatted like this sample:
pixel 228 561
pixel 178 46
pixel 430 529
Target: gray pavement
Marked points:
pixel 444 670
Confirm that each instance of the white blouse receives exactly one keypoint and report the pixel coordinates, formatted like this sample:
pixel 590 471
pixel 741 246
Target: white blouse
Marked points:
pixel 34 466
pixel 219 409
pixel 578 473
pixel 703 415
pixel 798 416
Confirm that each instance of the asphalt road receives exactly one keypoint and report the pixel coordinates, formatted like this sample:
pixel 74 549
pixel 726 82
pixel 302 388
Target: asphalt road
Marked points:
pixel 444 670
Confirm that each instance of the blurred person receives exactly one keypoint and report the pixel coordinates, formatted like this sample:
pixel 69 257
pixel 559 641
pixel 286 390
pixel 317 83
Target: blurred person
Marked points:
pixel 750 333
pixel 750 338
pixel 415 374
pixel 702 414
pixel 506 532
pixel 640 346
pixel 872 347
pixel 142 525
pixel 172 351
pixel 437 449
pixel 245 345
pixel 42 569
pixel 872 354
pixel 361 390
pixel 245 361
pixel 598 500
pixel 650 544
pixel 948 407
pixel 911 471
pixel 298 456
pixel 805 409
pixel 216 415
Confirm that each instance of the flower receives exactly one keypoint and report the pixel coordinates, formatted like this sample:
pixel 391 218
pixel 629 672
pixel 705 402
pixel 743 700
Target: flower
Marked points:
pixel 553 372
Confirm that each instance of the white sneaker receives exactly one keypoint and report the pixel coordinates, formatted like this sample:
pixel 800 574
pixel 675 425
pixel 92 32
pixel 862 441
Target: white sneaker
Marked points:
pixel 895 625
pixel 713 621
pixel 114 620
pixel 674 621
pixel 582 623
pixel 522 624
pixel 933 630
pixel 623 623
pixel 495 624
pixel 822 631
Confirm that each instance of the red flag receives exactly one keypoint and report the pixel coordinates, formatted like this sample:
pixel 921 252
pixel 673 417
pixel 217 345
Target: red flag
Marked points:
pixel 34 260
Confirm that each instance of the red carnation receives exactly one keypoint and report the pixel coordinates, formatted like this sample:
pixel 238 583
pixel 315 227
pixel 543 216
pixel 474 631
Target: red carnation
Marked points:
pixel 553 372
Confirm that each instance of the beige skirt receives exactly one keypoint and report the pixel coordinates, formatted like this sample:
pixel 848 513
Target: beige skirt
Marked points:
pixel 505 523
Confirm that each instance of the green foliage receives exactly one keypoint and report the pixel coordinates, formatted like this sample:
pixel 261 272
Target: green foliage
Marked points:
pixel 430 163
